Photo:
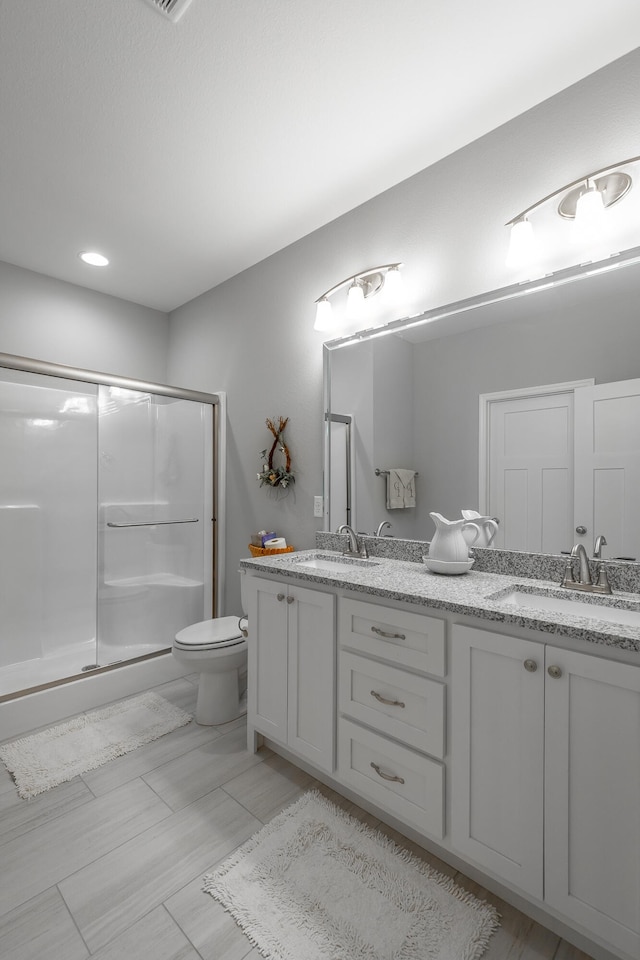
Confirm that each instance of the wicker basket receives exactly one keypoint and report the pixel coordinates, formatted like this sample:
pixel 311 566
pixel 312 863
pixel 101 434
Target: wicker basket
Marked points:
pixel 267 552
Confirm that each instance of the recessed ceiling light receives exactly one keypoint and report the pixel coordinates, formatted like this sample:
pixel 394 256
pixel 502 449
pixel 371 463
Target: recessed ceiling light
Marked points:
pixel 93 259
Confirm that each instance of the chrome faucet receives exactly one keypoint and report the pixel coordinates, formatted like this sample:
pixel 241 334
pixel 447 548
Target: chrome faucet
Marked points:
pixel 585 573
pixel 600 584
pixel 354 548
pixel 381 526
pixel 598 545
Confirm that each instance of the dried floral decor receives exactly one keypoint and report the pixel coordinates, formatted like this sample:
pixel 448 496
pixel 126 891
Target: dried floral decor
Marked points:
pixel 281 475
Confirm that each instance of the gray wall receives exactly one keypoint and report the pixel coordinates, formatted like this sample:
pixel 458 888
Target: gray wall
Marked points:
pixel 253 335
pixel 59 322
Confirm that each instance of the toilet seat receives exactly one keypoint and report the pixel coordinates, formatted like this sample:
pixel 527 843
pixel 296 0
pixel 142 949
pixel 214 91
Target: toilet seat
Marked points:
pixel 215 634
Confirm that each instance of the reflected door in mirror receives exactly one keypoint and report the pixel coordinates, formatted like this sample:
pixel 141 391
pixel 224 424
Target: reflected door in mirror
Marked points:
pixel 607 465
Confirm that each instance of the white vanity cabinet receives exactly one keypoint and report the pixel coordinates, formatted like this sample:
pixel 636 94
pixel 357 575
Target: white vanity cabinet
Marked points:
pixel 546 776
pixel 291 668
pixel 391 722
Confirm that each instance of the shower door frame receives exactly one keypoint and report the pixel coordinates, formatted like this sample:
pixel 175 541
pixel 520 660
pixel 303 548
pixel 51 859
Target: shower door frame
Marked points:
pixel 218 403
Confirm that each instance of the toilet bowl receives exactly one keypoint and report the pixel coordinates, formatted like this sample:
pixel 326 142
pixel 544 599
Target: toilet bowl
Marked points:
pixel 217 650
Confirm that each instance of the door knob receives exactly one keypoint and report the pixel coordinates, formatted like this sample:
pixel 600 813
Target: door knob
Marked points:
pixel 531 666
pixel 290 599
pixel 554 672
pixel 581 530
pixel 280 597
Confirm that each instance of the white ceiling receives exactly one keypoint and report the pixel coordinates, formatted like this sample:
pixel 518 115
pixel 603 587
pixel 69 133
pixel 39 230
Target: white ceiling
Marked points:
pixel 187 152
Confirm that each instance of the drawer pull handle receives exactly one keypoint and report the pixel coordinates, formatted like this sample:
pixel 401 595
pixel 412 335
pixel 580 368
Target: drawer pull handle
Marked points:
pixel 388 636
pixel 290 599
pixel 387 703
pixel 280 597
pixel 386 776
pixel 555 672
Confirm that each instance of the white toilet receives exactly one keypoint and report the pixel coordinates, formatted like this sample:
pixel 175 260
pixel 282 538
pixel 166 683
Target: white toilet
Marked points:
pixel 217 650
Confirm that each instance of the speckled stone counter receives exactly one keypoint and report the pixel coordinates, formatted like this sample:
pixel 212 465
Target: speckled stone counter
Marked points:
pixel 478 593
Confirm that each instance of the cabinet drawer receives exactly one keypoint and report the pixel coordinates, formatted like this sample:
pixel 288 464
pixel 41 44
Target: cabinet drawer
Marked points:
pixel 414 712
pixel 405 783
pixel 408 639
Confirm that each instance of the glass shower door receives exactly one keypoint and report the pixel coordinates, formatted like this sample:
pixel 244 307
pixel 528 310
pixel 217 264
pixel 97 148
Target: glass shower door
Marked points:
pixel 155 546
pixel 47 528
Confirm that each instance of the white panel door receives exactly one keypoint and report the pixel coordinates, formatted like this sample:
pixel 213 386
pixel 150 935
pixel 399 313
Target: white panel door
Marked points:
pixel 607 465
pixel 497 754
pixel 592 812
pixel 530 470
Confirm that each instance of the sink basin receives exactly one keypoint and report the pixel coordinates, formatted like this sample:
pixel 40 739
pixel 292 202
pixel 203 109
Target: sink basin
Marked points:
pixel 336 564
pixel 629 615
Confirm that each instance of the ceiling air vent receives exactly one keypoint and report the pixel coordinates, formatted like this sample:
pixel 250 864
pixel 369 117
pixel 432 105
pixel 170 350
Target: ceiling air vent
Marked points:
pixel 172 9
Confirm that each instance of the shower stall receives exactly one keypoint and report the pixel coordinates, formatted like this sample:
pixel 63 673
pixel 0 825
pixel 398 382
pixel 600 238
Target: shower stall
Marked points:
pixel 109 491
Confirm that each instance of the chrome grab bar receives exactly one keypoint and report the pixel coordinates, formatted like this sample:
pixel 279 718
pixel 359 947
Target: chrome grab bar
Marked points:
pixel 151 523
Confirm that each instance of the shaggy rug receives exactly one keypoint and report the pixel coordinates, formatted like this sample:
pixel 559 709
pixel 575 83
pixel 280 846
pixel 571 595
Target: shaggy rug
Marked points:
pixel 45 759
pixel 318 884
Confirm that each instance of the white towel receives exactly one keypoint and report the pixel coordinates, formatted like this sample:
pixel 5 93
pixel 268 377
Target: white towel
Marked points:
pixel 401 488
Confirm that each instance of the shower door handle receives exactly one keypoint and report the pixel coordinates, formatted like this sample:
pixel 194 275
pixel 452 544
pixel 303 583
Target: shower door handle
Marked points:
pixel 152 523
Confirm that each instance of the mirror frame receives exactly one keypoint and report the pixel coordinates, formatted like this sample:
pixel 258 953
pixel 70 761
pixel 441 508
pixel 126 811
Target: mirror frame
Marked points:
pixel 567 275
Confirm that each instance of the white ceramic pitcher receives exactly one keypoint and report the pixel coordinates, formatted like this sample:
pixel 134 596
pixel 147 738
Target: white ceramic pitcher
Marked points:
pixel 488 528
pixel 448 543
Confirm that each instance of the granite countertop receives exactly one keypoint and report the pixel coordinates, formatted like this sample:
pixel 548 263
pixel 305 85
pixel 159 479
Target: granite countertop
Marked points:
pixel 476 593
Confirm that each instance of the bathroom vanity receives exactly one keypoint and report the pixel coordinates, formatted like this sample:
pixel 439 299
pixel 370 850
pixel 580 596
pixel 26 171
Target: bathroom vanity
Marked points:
pixel 484 714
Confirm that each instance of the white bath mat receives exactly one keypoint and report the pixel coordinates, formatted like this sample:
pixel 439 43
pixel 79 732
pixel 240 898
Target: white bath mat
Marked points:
pixel 60 753
pixel 318 884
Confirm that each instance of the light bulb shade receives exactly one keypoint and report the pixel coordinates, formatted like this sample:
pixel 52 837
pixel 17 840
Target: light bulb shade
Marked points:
pixel 355 302
pixel 325 319
pixel 589 221
pixel 522 245
pixel 393 285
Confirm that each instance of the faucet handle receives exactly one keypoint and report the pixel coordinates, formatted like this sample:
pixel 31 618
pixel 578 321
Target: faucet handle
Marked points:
pixel 602 584
pixel 568 579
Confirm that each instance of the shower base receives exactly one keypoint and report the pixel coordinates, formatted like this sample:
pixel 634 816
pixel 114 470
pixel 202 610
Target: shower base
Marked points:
pixel 18 678
pixel 60 699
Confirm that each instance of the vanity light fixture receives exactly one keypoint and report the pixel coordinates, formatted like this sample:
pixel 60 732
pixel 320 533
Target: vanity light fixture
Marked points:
pixel 94 259
pixel 585 201
pixel 361 286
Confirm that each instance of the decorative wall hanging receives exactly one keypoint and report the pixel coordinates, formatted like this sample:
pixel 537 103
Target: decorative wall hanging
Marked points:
pixel 279 476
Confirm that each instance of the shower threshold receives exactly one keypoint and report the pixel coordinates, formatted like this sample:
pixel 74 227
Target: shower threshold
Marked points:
pixel 18 680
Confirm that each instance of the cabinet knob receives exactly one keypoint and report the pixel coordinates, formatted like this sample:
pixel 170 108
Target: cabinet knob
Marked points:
pixel 280 597
pixel 290 599
pixel 554 672
pixel 531 666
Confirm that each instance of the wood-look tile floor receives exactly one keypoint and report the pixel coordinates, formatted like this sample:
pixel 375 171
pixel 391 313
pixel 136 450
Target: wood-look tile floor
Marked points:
pixel 110 865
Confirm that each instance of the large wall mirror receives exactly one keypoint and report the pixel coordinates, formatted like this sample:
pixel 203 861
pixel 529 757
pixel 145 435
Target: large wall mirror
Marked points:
pixel 523 403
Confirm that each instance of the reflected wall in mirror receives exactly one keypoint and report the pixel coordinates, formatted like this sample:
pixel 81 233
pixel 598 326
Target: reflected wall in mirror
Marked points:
pixel 413 396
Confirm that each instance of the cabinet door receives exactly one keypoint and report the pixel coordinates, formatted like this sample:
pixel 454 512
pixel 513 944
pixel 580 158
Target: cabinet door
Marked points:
pixel 592 814
pixel 267 658
pixel 497 754
pixel 311 713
